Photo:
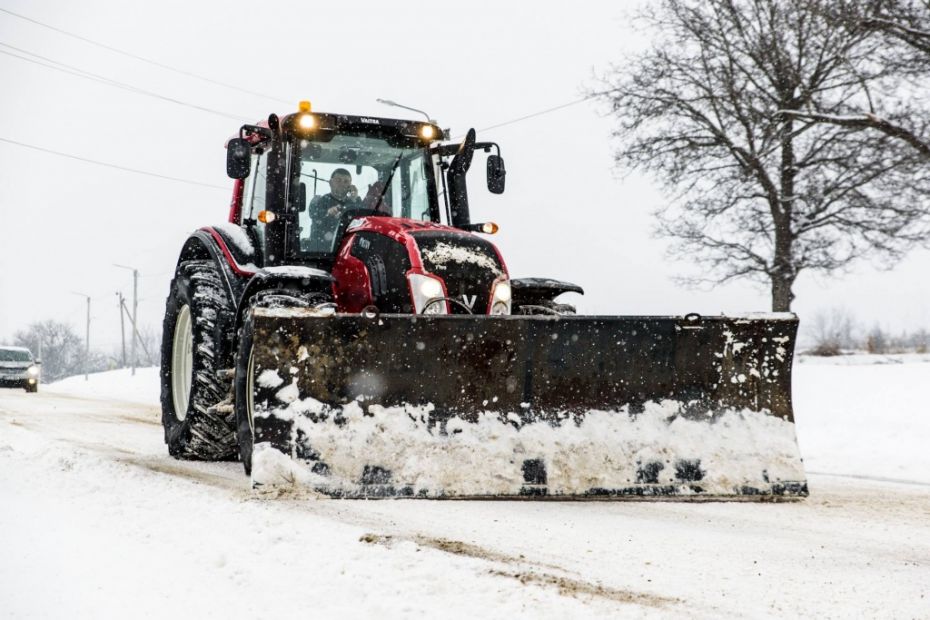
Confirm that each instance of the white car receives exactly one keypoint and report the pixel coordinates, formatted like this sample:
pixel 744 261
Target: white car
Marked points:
pixel 18 369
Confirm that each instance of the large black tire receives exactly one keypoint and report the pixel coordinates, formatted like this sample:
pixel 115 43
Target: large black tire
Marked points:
pixel 31 389
pixel 195 347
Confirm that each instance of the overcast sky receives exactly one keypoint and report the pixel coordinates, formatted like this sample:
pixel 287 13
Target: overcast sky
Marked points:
pixel 566 213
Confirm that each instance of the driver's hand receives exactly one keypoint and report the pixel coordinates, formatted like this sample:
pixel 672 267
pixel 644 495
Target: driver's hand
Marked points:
pixel 333 211
pixel 353 192
pixel 375 190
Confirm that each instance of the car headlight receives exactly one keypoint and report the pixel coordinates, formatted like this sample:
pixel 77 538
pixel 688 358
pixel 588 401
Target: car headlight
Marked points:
pixel 32 371
pixel 501 296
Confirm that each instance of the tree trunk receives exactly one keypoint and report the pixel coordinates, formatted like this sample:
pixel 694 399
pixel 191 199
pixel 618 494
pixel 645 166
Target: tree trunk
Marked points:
pixel 784 271
pixel 781 293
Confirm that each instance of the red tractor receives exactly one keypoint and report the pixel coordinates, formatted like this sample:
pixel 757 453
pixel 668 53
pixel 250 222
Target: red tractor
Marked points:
pixel 351 328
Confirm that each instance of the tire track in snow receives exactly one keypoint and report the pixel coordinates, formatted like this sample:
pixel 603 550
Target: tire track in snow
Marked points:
pixel 527 571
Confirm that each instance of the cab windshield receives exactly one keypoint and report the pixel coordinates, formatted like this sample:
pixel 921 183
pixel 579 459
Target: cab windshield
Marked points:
pixel 355 175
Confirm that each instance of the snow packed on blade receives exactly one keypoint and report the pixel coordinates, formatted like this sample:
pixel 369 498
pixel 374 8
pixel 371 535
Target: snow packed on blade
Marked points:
pixel 607 407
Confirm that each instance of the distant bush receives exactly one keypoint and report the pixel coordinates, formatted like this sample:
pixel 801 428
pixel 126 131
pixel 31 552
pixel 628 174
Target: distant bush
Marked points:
pixel 834 332
pixel 61 350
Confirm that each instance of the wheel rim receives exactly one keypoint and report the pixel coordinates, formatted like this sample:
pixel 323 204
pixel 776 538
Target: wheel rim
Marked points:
pixel 250 390
pixel 182 362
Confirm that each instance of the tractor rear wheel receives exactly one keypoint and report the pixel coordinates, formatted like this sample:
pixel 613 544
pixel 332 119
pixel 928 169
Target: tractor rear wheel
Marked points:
pixel 195 348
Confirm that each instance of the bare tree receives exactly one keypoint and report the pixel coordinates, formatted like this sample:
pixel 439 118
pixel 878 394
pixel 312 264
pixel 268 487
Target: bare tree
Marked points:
pixel 61 349
pixel 759 192
pixel 905 28
pixel 832 332
pixel 877 341
pixel 905 21
pixel 920 341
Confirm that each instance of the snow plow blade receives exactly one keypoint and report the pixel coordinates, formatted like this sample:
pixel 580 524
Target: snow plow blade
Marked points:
pixel 530 407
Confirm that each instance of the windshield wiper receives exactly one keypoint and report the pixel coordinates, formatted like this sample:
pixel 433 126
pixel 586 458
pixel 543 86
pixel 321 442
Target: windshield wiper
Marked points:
pixel 387 183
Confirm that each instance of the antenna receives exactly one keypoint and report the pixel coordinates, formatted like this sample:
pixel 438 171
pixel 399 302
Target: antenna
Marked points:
pixel 406 107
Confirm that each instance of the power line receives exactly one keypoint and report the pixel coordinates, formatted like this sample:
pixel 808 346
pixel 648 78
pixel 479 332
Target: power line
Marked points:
pixel 541 112
pixel 143 59
pixel 115 166
pixel 95 77
pixel 79 74
pixel 76 71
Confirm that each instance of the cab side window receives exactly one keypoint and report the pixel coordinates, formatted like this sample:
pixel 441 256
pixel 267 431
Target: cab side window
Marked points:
pixel 419 201
pixel 253 198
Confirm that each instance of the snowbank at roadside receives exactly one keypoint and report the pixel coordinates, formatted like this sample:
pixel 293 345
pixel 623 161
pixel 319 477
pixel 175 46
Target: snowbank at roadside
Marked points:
pixel 864 359
pixel 864 415
pixel 119 385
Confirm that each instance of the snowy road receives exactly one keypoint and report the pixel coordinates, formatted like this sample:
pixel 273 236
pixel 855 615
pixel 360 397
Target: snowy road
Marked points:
pixel 96 521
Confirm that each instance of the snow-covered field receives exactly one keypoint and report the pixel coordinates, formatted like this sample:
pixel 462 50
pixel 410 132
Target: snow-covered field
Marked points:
pixel 96 521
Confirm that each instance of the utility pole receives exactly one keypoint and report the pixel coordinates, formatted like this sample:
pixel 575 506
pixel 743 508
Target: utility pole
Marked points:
pixel 87 336
pixel 135 310
pixel 139 336
pixel 122 326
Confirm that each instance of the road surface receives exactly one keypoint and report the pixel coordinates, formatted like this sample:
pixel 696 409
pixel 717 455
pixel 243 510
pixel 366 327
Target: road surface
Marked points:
pixel 98 521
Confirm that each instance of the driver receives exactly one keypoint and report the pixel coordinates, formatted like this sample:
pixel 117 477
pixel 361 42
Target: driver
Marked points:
pixel 326 210
pixel 342 195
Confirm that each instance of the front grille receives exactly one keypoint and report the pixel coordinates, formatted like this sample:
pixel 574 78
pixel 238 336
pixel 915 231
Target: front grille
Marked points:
pixel 468 265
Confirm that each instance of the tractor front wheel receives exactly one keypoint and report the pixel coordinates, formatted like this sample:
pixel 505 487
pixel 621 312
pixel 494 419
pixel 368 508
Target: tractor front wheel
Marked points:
pixel 198 424
pixel 245 392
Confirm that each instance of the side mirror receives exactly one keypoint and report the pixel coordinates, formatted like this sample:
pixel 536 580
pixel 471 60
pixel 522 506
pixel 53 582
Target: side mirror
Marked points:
pixel 238 158
pixel 497 175
pixel 38 362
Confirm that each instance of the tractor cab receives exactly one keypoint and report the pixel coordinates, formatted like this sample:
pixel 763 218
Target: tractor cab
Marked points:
pixel 307 177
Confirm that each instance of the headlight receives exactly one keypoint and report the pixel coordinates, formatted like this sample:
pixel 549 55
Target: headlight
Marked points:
pixel 502 291
pixel 32 371
pixel 425 289
pixel 500 297
pixel 430 288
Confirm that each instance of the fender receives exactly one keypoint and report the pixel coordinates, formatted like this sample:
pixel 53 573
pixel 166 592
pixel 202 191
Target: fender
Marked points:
pixel 208 244
pixel 534 291
pixel 292 278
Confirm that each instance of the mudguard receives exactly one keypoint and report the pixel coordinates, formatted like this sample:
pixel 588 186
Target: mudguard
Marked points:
pixel 287 280
pixel 542 407
pixel 215 243
pixel 535 291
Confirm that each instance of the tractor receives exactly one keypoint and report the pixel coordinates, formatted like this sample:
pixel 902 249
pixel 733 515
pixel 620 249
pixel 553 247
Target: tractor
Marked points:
pixel 349 329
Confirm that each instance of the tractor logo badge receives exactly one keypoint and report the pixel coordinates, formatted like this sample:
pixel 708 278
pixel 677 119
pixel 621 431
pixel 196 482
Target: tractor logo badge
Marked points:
pixel 469 301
